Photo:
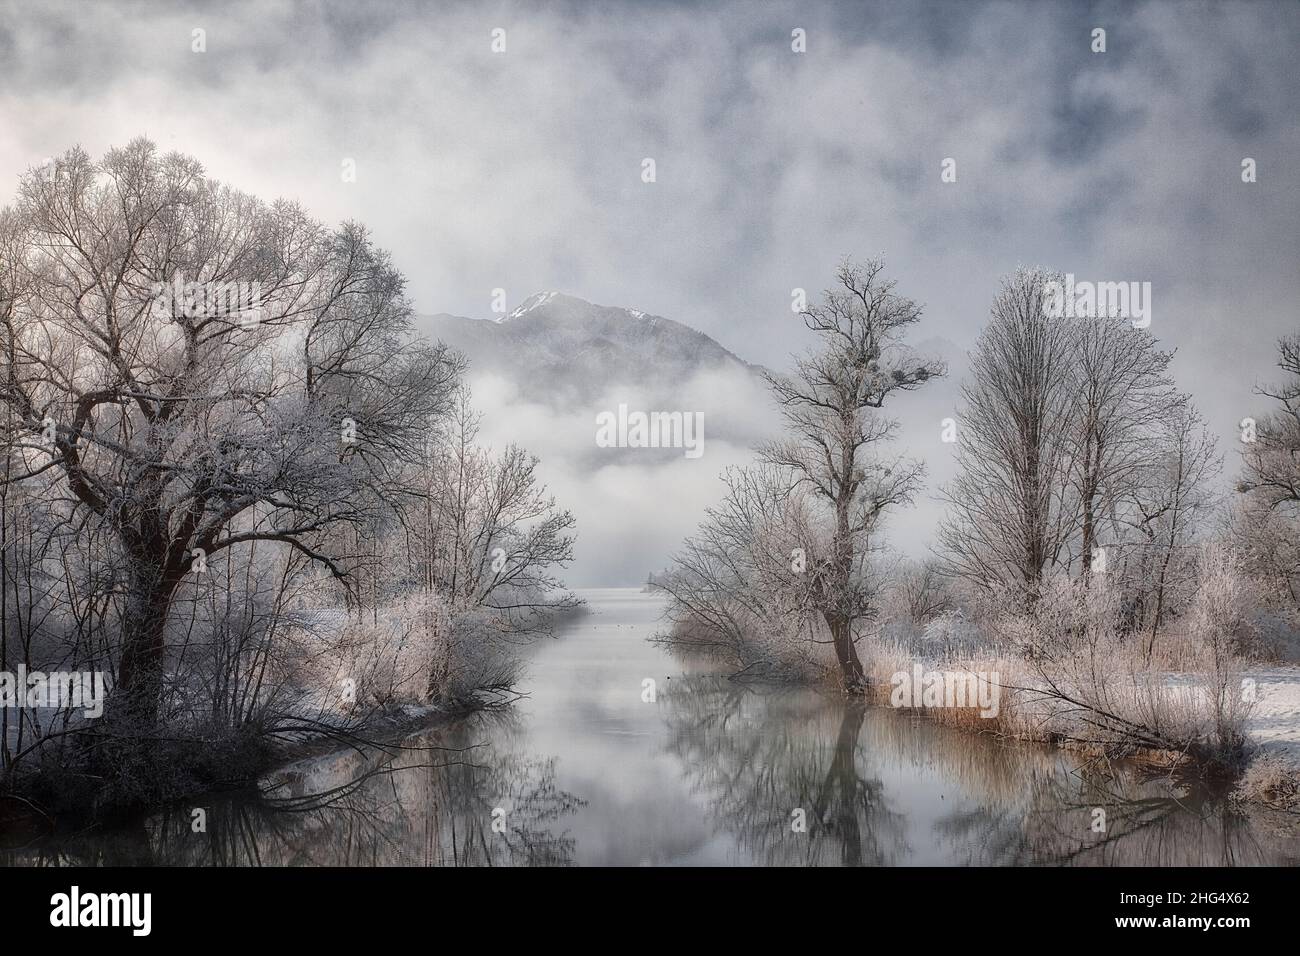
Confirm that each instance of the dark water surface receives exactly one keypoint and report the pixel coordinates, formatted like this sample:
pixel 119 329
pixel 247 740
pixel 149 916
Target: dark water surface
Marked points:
pixel 584 771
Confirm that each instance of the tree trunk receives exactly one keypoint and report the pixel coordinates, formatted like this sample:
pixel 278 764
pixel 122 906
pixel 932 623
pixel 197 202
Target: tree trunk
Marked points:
pixel 138 694
pixel 1160 602
pixel 1035 522
pixel 846 653
pixel 840 617
pixel 1091 486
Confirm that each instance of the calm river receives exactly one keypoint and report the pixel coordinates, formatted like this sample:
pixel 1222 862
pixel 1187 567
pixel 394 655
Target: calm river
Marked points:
pixel 586 771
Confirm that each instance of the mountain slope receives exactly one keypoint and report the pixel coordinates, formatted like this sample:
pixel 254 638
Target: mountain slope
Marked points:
pixel 543 373
pixel 562 350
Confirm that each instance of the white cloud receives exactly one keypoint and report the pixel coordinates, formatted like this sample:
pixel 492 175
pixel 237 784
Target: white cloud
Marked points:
pixel 522 170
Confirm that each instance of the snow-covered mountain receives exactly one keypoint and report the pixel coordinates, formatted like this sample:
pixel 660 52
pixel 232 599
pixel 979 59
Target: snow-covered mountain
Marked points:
pixel 545 374
pixel 560 350
pixel 542 373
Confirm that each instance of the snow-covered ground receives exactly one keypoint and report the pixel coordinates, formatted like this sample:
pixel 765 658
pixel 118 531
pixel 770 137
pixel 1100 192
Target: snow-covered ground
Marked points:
pixel 1274 721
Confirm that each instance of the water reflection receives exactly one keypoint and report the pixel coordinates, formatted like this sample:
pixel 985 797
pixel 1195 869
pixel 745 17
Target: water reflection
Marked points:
pixel 427 802
pixel 885 788
pixel 711 772
pixel 786 773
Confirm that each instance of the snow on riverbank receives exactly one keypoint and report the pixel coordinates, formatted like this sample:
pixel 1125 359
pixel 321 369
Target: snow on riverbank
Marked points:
pixel 1274 721
pixel 1273 725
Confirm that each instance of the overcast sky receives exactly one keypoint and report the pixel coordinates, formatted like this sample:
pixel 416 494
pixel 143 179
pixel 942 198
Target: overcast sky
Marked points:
pixel 522 170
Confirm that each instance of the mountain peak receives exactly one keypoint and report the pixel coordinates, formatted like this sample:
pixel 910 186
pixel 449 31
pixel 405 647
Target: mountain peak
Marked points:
pixel 555 344
pixel 532 302
pixel 560 304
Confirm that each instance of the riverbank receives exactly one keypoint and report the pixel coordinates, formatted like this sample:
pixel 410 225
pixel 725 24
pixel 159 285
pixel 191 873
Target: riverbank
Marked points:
pixel 1265 766
pixel 588 767
pixel 183 770
pixel 1273 775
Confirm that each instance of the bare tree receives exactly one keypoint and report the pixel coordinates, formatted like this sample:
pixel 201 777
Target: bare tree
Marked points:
pixel 1061 418
pixel 739 586
pixel 832 409
pixel 1171 499
pixel 1013 509
pixel 485 534
pixel 190 430
pixel 1267 521
pixel 1272 460
pixel 494 534
pixel 1121 392
pixel 925 591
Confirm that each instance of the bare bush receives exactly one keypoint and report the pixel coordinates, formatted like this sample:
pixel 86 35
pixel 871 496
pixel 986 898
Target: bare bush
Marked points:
pixel 1092 684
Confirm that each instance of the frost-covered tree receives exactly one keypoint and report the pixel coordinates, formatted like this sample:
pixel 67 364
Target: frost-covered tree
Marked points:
pixel 484 534
pixel 1169 506
pixel 838 435
pixel 1267 519
pixel 1064 426
pixel 739 585
pixel 791 548
pixel 186 426
pixel 1272 459
pixel 1012 507
pixel 1121 394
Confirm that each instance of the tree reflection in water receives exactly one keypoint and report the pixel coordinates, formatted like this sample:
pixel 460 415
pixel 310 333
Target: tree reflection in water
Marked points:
pixel 876 787
pixel 755 754
pixel 428 804
pixel 756 757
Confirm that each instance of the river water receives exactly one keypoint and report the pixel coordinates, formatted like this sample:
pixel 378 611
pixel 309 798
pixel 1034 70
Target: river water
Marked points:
pixel 588 770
